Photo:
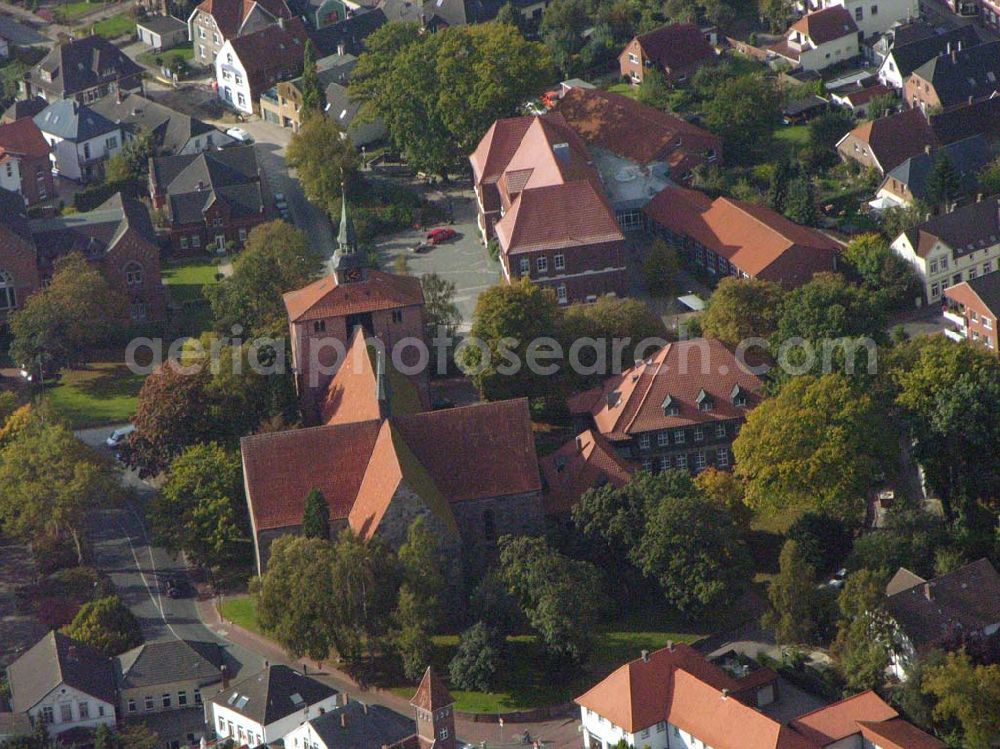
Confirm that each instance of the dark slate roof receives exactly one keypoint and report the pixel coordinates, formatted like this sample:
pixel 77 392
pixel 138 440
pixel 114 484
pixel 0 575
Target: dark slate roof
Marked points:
pixel 162 24
pixel 81 64
pixel 339 105
pixel 171 129
pixel 981 117
pixel 967 157
pixel 987 288
pixel 967 599
pixel 73 121
pixel 273 694
pixel 359 726
pixel 974 72
pixel 910 56
pixel 24 108
pixel 193 182
pixel 155 663
pixel 966 229
pixel 13 214
pixel 351 33
pixel 55 660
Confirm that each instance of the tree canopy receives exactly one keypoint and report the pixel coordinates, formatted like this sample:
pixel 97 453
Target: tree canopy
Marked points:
pixel 742 308
pixel 106 624
pixel 316 516
pixel 744 112
pixel 324 159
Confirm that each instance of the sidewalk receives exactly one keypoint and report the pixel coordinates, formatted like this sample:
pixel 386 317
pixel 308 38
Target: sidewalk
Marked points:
pixel 555 734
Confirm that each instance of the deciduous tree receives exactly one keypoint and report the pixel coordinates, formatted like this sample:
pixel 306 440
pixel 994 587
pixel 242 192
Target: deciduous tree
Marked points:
pixel 106 624
pixel 967 694
pixel 864 642
pixel 316 516
pixel 744 112
pixel 742 308
pixel 797 606
pixel 660 267
pixel 477 662
pixel 324 160
pixel 439 305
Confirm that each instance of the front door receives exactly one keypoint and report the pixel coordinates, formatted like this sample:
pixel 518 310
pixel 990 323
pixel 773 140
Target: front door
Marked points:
pixel 220 242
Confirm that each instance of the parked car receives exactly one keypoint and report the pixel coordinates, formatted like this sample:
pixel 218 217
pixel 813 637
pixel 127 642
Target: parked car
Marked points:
pixel 441 234
pixel 239 134
pixel 118 436
pixel 174 586
pixel 281 203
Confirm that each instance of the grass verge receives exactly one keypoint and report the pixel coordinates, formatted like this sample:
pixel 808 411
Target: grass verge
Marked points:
pixel 98 394
pixel 241 611
pixel 167 58
pixel 68 12
pixel 114 26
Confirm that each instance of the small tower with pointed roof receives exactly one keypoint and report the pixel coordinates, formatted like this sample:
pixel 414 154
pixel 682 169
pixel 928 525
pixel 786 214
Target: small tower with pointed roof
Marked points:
pixel 347 263
pixel 435 714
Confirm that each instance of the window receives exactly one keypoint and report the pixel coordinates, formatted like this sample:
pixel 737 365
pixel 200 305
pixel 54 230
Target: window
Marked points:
pixel 645 733
pixel 663 439
pixel 215 37
pixel 647 465
pixel 201 33
pixel 319 326
pixel 229 57
pixel 65 712
pixel 682 461
pixel 699 460
pixel 542 263
pixel 722 457
pixel 935 290
pixel 644 441
pixel 561 293
pixel 987 267
pixel 226 75
pixel 679 436
pixel 47 715
pixel 133 274
pixel 972 273
pixel 525 265
pixel 699 434
pixel 100 711
pixel 131 706
pixel 720 430
pixel 987 322
pixel 397 316
pixel 859 13
pixel 166 700
pixel 86 150
pixel 443 733
pixel 243 235
pixel 197 696
pixel 217 221
pixel 934 266
pixel 489 525
pixel 665 463
pixel 148 701
pixel 240 98
pixel 8 296
pixel 196 240
pixel 560 261
pixel 661 726
pixel 633 58
pixel 84 709
pixel 184 243
pixel 222 726
pixel 874 10
pixel 111 143
pixel 239 81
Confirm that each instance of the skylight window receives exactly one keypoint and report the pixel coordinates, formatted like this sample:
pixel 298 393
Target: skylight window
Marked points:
pixel 296 699
pixel 242 702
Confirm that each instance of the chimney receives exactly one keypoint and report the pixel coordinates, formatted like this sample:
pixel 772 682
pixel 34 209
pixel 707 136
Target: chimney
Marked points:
pixel 948 48
pixel 959 45
pixel 347 698
pixel 340 49
pixel 725 693
pixel 579 439
pixel 267 664
pixel 645 656
pixel 979 197
pixel 364 707
pixel 71 654
pixel 670 645
pixel 343 720
pixel 225 677
pixel 928 593
pixel 281 22
pixel 927 149
pixel 201 185
pixel 954 56
pixel 118 94
pixel 970 100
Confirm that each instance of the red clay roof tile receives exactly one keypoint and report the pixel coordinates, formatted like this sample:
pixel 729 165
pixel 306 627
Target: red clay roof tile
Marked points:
pixel 326 298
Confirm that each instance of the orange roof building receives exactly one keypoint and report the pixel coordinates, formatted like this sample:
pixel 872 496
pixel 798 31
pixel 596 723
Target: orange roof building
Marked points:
pixel 380 460
pixel 674 697
pixel 732 237
pixel 588 461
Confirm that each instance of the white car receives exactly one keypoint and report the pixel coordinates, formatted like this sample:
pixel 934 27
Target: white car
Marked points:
pixel 120 435
pixel 239 134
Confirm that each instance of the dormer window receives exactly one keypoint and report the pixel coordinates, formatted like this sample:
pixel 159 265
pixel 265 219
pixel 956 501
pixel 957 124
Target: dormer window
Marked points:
pixel 614 397
pixel 739 397
pixel 670 406
pixel 704 401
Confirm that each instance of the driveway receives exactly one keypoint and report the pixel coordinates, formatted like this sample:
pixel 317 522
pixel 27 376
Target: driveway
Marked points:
pixel 462 260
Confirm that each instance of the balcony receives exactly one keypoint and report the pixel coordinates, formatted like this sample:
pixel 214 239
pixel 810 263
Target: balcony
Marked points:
pixel 955 335
pixel 954 319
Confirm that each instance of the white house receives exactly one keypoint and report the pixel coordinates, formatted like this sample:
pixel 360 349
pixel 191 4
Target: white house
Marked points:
pixel 247 66
pixel 10 173
pixel 269 705
pixel 354 724
pixel 820 39
pixel 64 684
pixel 876 16
pixel 230 74
pixel 953 247
pixel 81 140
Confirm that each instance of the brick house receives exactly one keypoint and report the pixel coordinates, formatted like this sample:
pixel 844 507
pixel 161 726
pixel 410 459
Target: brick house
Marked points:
pixel 907 183
pixel 24 161
pixel 583 463
pixel 974 306
pixel 247 66
pixel 677 50
pixel 542 199
pixel 210 199
pixel 214 22
pixel 680 408
pixel 19 276
pixel 82 69
pixel 887 142
pixel 380 461
pixel 728 237
pixel 820 39
pixel 951 80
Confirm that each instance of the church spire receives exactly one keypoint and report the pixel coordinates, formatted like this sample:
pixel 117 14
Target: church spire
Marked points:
pixel 347 265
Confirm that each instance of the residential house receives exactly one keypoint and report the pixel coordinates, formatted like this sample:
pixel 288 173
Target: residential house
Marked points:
pixel 322 13
pixel 63 684
pixel 887 142
pixel 119 238
pixel 210 199
pixel 962 77
pixel 23 108
pixel 434 15
pixel 24 161
pixel 348 36
pixel 540 196
pixel 859 99
pixel 974 306
pixel 162 684
pixel 906 56
pixel 873 17
pixel 82 69
pixel 978 118
pixel 929 614
pixel 323 316
pixel 380 459
pixel 676 50
pixel 173 133
pixel 80 139
pixel 214 22
pixel 19 276
pixel 682 407
pixel 249 65
pixel 268 705
pixel 953 247
pixel 729 237
pixel 588 461
pixel 900 34
pixel 344 110
pixel 282 104
pixel 675 699
pixel 820 39
pixel 907 183
pixel 161 32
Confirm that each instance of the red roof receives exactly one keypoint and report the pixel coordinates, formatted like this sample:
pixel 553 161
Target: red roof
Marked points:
pixel 898 734
pixel 895 138
pixel 840 720
pixel 826 25
pixel 22 138
pixel 432 694
pixel 229 15
pixel 676 46
pixel 585 462
pixel 273 48
pixel 497 148
pixel 759 241
pixel 863 96
pixel 326 298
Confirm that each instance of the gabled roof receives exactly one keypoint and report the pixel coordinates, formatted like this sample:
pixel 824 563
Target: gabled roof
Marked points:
pixel 22 139
pixel 24 108
pixel 497 147
pixel 985 289
pixel 229 15
pixel 80 64
pixel 360 726
pixel 970 74
pixel 378 291
pixel 966 229
pixel 826 25
pixel 966 156
pixel 154 663
pixel 898 734
pixel 981 117
pixel 902 580
pixel 56 659
pixel 273 48
pixel 909 56
pixel 431 694
pixel 272 694
pixel 162 24
pixel 192 182
pixel 70 120
pixel 349 33
pixel 832 723
pixel 171 129
pixel 676 45
pixel 895 138
pixel 583 463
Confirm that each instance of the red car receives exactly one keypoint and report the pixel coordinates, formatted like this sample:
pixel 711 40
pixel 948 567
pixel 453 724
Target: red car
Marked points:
pixel 441 234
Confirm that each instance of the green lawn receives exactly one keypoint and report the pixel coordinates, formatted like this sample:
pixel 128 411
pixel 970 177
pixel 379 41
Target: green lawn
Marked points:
pixel 68 12
pixel 114 26
pixel 796 135
pixel 185 280
pixel 625 89
pixel 242 611
pixel 168 58
pixel 100 393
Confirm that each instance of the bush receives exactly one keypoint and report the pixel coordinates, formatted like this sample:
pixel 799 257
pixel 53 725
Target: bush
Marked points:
pixel 823 541
pixel 53 553
pixel 107 625
pixel 91 197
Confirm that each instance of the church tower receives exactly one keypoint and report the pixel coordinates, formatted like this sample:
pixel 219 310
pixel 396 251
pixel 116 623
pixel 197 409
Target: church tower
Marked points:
pixel 348 266
pixel 435 714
